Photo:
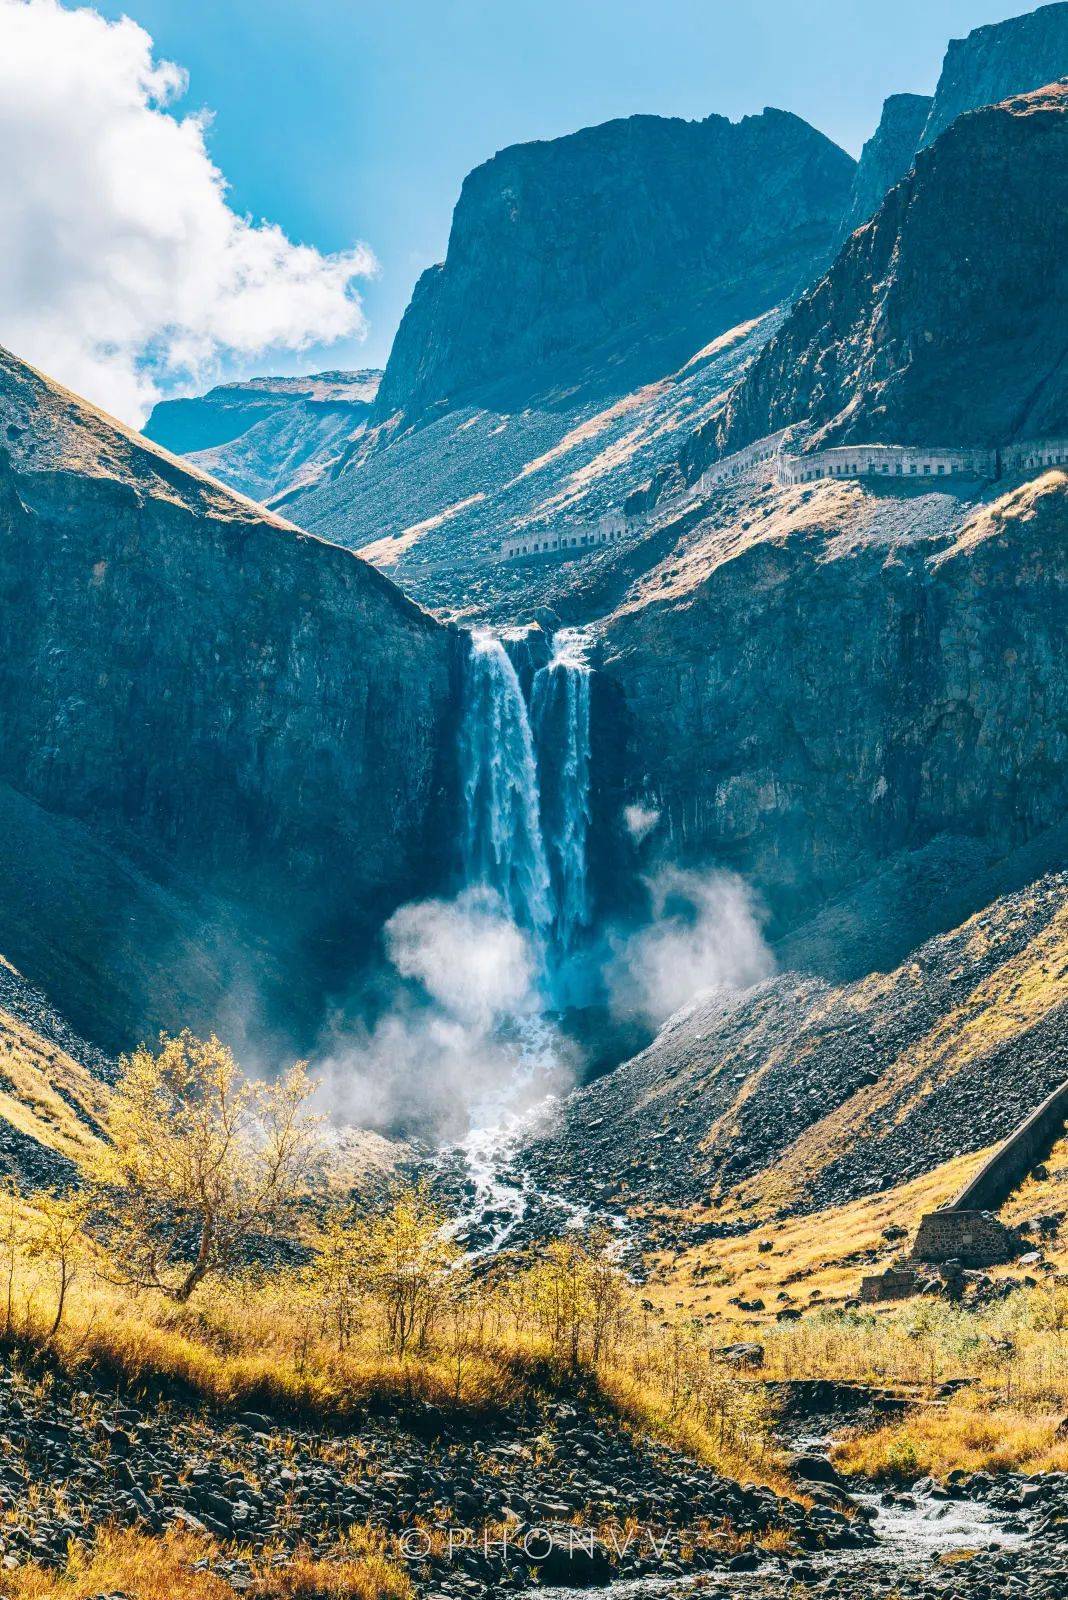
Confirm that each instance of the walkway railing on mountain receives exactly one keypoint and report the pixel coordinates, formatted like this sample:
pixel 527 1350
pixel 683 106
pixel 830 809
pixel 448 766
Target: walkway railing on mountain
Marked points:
pixel 883 461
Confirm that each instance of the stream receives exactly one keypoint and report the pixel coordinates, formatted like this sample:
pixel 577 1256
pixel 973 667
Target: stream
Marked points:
pixel 497 1203
pixel 911 1542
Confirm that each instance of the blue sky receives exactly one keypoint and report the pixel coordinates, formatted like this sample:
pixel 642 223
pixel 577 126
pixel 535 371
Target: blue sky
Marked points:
pixel 347 120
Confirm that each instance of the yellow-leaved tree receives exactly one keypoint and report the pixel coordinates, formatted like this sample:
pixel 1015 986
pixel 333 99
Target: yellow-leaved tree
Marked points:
pixel 57 1240
pixel 400 1262
pixel 199 1162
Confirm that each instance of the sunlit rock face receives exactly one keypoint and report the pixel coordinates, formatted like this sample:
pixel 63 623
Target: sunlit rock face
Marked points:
pixel 608 257
pixel 258 721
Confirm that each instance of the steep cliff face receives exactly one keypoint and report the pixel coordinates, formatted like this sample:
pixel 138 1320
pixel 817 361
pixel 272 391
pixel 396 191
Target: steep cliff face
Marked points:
pixel 942 320
pixel 887 155
pixel 859 702
pixel 840 675
pixel 613 254
pixel 254 719
pixel 991 64
pixel 267 436
pixel 999 60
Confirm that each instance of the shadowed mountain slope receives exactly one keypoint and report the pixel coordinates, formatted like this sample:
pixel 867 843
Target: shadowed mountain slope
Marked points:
pixel 246 728
pixel 991 64
pixel 818 676
pixel 945 318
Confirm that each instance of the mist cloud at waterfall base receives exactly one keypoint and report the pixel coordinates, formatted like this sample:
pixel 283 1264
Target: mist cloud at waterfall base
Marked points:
pixel 704 932
pixel 464 1043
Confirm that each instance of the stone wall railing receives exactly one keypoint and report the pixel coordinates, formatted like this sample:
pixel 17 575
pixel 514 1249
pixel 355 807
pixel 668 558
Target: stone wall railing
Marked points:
pixel 579 536
pixel 893 461
pixel 1033 453
pixel 966 1230
pixel 741 461
pixel 887 461
pixel 1013 1160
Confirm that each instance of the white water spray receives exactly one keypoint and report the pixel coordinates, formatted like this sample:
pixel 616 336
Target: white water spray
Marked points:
pixel 526 822
pixel 526 788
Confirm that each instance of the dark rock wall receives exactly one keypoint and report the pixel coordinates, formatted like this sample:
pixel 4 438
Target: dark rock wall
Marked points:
pixel 810 706
pixel 1010 1165
pixel 258 711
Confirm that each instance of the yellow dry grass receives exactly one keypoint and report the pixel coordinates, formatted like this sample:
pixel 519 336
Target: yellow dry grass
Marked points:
pixel 995 520
pixel 970 1434
pixel 812 1252
pixel 45 1094
pixel 175 1566
pixel 246 1347
pixel 1003 1005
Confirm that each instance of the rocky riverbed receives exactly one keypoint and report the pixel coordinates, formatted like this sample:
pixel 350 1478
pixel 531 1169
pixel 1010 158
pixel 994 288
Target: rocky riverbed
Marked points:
pixel 967 1543
pixel 552 1492
pixel 544 1490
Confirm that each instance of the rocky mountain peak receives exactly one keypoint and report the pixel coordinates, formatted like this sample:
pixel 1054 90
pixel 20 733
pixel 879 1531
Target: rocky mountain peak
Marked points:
pixel 613 254
pixel 934 323
pixel 887 155
pixel 997 61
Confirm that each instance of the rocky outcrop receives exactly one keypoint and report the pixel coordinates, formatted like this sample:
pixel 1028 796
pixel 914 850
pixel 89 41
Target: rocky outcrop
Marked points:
pixel 253 719
pixel 991 64
pixel 268 436
pixel 887 155
pixel 997 61
pixel 799 1095
pixel 941 321
pixel 610 256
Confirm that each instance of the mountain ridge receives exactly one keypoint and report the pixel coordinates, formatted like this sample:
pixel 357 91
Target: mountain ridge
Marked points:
pixel 937 322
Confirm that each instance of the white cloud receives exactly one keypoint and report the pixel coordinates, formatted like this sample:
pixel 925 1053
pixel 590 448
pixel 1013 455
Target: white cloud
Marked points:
pixel 123 268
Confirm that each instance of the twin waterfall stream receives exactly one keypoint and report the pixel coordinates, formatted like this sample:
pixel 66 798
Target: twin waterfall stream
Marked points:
pixel 525 775
pixel 526 788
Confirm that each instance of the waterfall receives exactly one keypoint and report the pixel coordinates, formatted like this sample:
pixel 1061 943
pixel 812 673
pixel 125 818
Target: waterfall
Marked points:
pixel 560 712
pixel 503 847
pixel 526 788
